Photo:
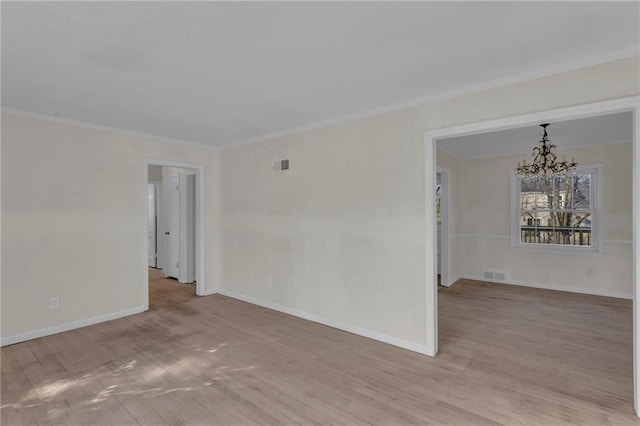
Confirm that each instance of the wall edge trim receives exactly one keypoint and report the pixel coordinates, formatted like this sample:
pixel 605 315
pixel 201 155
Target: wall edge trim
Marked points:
pixel 591 291
pixel 98 127
pixel 374 335
pixel 209 291
pixel 617 55
pixel 502 237
pixel 29 335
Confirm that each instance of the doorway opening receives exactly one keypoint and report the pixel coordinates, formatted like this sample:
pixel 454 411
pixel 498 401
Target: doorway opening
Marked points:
pixel 174 266
pixel 153 206
pixel 443 236
pixel 483 219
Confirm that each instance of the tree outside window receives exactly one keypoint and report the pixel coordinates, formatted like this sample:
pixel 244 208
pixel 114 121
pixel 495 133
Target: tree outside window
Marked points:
pixel 558 211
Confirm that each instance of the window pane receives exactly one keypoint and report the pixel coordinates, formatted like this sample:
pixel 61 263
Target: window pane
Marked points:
pixel 557 210
pixel 560 227
pixel 560 219
pixel 530 218
pixel 581 193
pixel 559 193
pixel 529 223
pixel 581 220
pixel 533 195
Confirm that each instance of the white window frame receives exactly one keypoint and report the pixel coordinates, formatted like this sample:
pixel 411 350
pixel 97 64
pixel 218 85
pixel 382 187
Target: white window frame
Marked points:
pixel 597 234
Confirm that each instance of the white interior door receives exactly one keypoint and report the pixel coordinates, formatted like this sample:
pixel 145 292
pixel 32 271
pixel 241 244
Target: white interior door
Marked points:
pixel 172 208
pixel 152 224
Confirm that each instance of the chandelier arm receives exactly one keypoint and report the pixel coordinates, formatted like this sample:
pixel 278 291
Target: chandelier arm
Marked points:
pixel 545 161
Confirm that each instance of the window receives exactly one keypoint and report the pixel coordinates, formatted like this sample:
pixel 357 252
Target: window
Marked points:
pixel 558 214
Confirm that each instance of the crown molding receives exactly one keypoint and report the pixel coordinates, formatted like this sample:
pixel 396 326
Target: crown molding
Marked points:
pixel 447 94
pixel 91 126
pixel 392 107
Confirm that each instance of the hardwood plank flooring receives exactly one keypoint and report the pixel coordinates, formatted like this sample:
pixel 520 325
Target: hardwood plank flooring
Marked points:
pixel 508 355
pixel 167 291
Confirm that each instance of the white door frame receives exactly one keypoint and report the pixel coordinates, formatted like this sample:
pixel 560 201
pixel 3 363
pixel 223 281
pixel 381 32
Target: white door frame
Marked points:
pixel 581 111
pixel 200 219
pixel 188 273
pixel 445 227
pixel 156 189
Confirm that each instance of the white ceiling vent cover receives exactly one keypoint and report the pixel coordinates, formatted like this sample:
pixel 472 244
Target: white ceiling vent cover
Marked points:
pixel 281 165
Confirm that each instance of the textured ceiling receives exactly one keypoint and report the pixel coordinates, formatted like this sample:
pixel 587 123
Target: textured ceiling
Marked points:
pixel 218 73
pixel 612 128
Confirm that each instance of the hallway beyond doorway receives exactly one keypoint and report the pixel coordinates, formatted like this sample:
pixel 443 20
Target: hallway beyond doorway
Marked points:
pixel 167 291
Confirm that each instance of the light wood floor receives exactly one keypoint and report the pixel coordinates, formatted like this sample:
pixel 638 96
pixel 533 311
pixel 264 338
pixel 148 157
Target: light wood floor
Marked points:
pixel 508 355
pixel 167 291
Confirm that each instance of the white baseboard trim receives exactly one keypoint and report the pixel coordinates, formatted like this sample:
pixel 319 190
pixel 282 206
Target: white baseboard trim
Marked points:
pixel 415 347
pixel 209 292
pixel 22 337
pixel 453 281
pixel 593 292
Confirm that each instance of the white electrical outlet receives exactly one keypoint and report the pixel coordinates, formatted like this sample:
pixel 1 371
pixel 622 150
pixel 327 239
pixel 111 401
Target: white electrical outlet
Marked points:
pixel 54 302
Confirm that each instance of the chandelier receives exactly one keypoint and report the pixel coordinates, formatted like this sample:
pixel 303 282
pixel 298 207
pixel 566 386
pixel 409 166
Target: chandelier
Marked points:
pixel 545 164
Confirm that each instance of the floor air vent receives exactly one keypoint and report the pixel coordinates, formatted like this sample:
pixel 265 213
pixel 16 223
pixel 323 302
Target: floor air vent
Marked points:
pixel 494 274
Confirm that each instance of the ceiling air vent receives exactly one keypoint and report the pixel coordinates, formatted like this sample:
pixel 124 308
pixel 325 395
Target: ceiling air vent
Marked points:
pixel 281 165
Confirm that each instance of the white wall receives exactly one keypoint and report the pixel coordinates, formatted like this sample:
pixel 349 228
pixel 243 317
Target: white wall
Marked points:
pixel 341 237
pixel 73 222
pixel 338 235
pixel 484 218
pixel 155 172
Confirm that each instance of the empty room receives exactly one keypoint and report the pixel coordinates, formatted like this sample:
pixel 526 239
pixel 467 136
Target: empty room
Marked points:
pixel 389 213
